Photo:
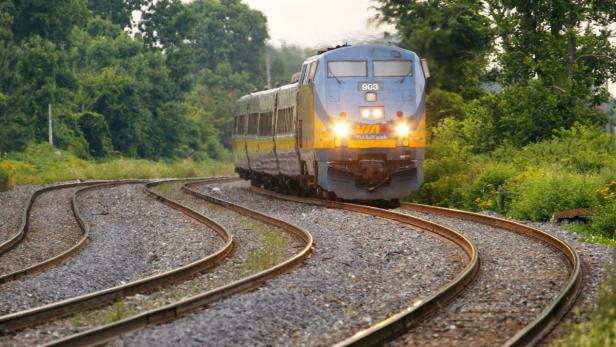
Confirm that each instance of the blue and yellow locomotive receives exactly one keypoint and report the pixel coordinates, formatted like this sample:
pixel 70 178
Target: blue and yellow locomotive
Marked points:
pixel 352 126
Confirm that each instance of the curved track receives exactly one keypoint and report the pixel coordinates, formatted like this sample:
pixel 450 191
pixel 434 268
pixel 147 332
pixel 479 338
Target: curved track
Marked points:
pixel 178 309
pixel 41 314
pixel 55 259
pixel 397 324
pixel 538 328
pixel 412 315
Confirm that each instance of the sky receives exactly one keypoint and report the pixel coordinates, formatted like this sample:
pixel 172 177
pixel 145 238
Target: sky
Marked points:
pixel 318 23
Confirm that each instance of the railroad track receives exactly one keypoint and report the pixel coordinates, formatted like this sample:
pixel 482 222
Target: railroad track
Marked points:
pixel 175 310
pixel 392 327
pixel 383 331
pixel 54 259
pixel 31 317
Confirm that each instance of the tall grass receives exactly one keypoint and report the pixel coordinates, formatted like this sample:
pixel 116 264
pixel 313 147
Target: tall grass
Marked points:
pixel 600 330
pixel 42 164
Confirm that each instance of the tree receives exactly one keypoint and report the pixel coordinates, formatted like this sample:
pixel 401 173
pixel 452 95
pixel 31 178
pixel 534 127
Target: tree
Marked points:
pixel 559 41
pixel 51 20
pixel 118 11
pixel 454 35
pixel 285 61
pixel 228 31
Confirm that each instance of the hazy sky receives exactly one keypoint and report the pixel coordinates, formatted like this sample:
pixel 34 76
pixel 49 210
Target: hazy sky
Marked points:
pixel 311 23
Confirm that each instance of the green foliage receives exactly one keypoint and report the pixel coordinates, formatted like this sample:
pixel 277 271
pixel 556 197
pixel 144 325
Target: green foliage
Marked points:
pixel 524 114
pixel 604 220
pixel 441 104
pixel 4 180
pixel 118 11
pixel 51 20
pixel 600 329
pixel 575 168
pixel 113 94
pixel 455 37
pixel 42 164
pixel 96 133
pixel 285 61
pixel 580 149
pixel 538 194
pixel 488 190
pixel 555 41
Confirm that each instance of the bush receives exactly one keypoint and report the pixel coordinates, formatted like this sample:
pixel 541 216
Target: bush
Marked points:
pixel 537 194
pixel 581 149
pixel 41 164
pixel 600 330
pixel 488 190
pixel 4 181
pixel 604 220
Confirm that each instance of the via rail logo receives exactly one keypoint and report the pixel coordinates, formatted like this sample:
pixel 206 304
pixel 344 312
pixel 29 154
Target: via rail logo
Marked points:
pixel 370 131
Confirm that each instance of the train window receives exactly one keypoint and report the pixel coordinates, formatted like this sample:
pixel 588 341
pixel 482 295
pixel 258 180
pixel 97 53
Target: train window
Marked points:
pixel 265 124
pixel 253 123
pixel 347 69
pixel 241 124
pixel 284 123
pixel 392 68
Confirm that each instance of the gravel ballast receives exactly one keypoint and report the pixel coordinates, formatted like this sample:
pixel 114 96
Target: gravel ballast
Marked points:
pixel 12 206
pixel 596 261
pixel 52 231
pixel 363 270
pixel 519 277
pixel 257 246
pixel 133 236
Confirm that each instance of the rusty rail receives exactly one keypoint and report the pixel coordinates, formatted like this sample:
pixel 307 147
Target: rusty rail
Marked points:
pixel 402 321
pixel 173 311
pixel 7 245
pixel 553 313
pixel 37 315
pixel 59 258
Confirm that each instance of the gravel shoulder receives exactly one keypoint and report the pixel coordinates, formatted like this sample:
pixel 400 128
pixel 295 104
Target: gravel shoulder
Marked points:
pixel 596 261
pixel 519 276
pixel 52 231
pixel 127 244
pixel 12 206
pixel 364 269
pixel 258 246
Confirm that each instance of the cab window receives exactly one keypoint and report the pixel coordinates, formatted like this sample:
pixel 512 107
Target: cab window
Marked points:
pixel 392 68
pixel 304 72
pixel 313 71
pixel 347 69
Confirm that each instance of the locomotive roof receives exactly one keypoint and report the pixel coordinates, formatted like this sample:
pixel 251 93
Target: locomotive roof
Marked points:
pixel 374 51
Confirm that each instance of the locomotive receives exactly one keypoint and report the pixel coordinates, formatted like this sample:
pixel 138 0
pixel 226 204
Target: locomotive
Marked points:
pixel 351 125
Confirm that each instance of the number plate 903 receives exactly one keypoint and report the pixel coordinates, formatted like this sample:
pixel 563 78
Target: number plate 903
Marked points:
pixel 370 86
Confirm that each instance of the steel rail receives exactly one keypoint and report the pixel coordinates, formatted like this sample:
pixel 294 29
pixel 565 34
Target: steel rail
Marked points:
pixel 37 315
pixel 56 259
pixel 7 245
pixel 532 333
pixel 402 321
pixel 176 310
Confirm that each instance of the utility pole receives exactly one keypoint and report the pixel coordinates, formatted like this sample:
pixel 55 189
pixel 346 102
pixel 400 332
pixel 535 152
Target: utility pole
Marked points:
pixel 268 70
pixel 50 126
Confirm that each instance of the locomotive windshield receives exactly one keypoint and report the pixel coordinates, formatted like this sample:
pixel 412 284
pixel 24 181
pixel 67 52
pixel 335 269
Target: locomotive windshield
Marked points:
pixel 392 68
pixel 347 69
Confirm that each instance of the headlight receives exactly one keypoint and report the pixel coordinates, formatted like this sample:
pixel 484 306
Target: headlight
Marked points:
pixel 403 129
pixel 371 112
pixel 342 129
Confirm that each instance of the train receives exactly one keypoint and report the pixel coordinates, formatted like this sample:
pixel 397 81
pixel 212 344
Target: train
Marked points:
pixel 351 125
